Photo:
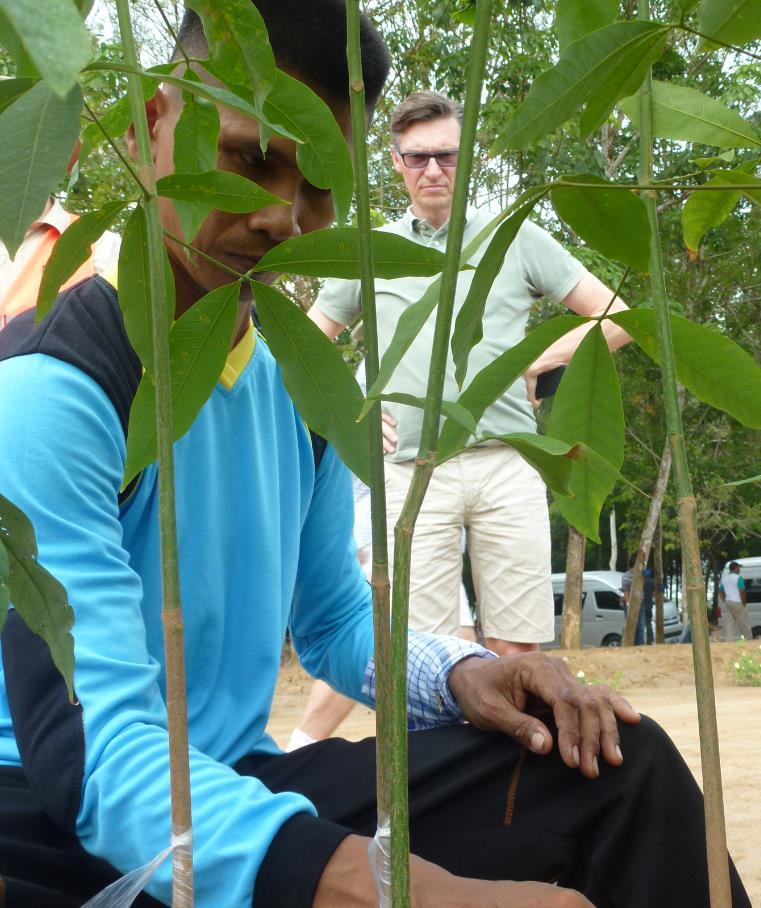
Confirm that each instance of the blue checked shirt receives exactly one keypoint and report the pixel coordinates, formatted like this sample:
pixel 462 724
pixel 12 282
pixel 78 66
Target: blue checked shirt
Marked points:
pixel 430 659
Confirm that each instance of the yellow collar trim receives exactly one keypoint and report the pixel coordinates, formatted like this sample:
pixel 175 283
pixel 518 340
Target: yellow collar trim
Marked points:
pixel 239 357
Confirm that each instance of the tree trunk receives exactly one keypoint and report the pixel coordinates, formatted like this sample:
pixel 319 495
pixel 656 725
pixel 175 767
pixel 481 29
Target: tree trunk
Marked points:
pixel 658 581
pixel 645 543
pixel 613 540
pixel 570 637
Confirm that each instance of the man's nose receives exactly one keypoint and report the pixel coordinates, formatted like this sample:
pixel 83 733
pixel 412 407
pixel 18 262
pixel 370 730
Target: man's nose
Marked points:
pixel 278 221
pixel 432 168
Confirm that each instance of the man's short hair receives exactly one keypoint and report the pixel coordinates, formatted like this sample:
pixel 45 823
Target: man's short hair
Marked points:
pixel 733 565
pixel 308 39
pixel 421 106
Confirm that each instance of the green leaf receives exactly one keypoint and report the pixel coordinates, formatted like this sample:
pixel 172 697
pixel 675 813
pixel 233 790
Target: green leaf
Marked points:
pixel 612 221
pixel 196 134
pixel 317 378
pixel 685 114
pixel 335 253
pixel 37 135
pixel 493 380
pixel 468 328
pixel 238 44
pixel 55 38
pixel 39 599
pixel 710 365
pixel 72 250
pixel 575 19
pixel 448 407
pixel 5 596
pixel 726 157
pixel 117 118
pixel 199 343
pixel 135 287
pixel 552 459
pixel 11 42
pixel 588 409
pixel 601 65
pixel 323 157
pixel 10 89
pixel 705 210
pixel 199 193
pixel 730 21
pixel 742 482
pixel 415 316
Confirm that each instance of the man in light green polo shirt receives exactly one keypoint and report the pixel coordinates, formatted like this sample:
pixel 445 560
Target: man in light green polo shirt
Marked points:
pixel 488 489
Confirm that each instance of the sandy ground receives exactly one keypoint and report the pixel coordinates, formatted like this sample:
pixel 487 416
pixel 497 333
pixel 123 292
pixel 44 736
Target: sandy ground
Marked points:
pixel 658 680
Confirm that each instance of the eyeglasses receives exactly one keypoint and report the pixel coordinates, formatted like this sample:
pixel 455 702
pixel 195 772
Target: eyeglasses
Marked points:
pixel 418 160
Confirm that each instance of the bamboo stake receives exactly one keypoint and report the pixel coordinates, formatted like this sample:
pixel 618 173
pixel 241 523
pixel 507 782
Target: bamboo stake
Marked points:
pixel 179 765
pixel 387 731
pixel 716 840
pixel 660 636
pixel 426 458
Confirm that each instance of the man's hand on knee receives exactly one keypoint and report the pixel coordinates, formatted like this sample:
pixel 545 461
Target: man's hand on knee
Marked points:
pixel 347 880
pixel 504 695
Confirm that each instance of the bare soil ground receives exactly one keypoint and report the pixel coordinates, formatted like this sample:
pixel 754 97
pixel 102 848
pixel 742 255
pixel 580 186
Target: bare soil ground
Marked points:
pixel 659 681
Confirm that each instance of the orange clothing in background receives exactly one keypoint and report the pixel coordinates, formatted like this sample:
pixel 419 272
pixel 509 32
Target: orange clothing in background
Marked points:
pixel 20 279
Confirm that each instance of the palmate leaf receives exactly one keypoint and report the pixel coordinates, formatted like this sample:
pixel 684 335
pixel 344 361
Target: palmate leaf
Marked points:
pixel 39 599
pixel 493 380
pixel 705 210
pixel 335 253
pixel 468 328
pixel 685 114
pixel 710 365
pixel 323 153
pixel 135 287
pixel 55 38
pixel 198 194
pixel 588 410
pixel 448 407
pixel 596 70
pixel 238 44
pixel 730 21
pixel 552 459
pixel 576 18
pixel 318 380
pixel 415 316
pixel 199 342
pixel 72 250
pixel 612 221
pixel 37 135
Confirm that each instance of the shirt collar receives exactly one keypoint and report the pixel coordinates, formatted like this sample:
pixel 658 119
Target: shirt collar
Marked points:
pixel 56 217
pixel 420 226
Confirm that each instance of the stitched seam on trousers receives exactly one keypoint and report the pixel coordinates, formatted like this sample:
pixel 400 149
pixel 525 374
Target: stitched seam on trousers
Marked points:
pixel 513 790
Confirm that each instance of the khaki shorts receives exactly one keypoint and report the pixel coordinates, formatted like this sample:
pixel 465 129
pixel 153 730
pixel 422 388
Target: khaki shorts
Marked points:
pixel 502 502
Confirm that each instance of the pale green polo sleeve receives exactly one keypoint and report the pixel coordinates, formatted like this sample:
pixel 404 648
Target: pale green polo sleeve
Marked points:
pixel 340 300
pixel 550 269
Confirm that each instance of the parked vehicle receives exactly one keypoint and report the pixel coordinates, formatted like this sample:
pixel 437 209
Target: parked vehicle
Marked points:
pixel 750 568
pixel 602 614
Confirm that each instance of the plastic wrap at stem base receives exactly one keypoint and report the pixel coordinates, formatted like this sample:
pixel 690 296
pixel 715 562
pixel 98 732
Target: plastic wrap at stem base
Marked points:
pixel 123 892
pixel 380 861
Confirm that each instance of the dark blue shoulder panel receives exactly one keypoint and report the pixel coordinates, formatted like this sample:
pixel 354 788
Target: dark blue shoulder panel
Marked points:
pixel 49 730
pixel 85 328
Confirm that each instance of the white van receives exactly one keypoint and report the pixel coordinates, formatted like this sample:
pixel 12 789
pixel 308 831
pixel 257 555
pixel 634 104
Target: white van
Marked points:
pixel 602 612
pixel 750 569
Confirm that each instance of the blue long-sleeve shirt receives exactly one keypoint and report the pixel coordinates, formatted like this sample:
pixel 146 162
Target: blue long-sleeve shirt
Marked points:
pixel 265 542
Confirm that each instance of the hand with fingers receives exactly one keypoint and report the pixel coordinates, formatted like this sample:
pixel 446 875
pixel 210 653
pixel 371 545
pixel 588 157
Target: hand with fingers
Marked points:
pixel 388 427
pixel 505 695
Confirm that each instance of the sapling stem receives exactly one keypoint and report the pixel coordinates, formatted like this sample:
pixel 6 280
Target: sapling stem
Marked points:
pixel 179 767
pixel 426 458
pixel 386 741
pixel 716 840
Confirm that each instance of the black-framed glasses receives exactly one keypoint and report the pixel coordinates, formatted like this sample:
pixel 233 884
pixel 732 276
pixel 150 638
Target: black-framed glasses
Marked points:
pixel 418 160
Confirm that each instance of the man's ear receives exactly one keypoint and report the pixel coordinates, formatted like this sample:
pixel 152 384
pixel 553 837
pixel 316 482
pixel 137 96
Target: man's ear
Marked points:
pixel 396 160
pixel 155 108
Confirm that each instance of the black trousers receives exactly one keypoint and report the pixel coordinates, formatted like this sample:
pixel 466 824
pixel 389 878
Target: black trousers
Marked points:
pixel 480 806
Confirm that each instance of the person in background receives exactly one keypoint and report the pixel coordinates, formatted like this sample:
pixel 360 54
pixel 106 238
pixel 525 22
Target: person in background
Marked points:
pixel 735 600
